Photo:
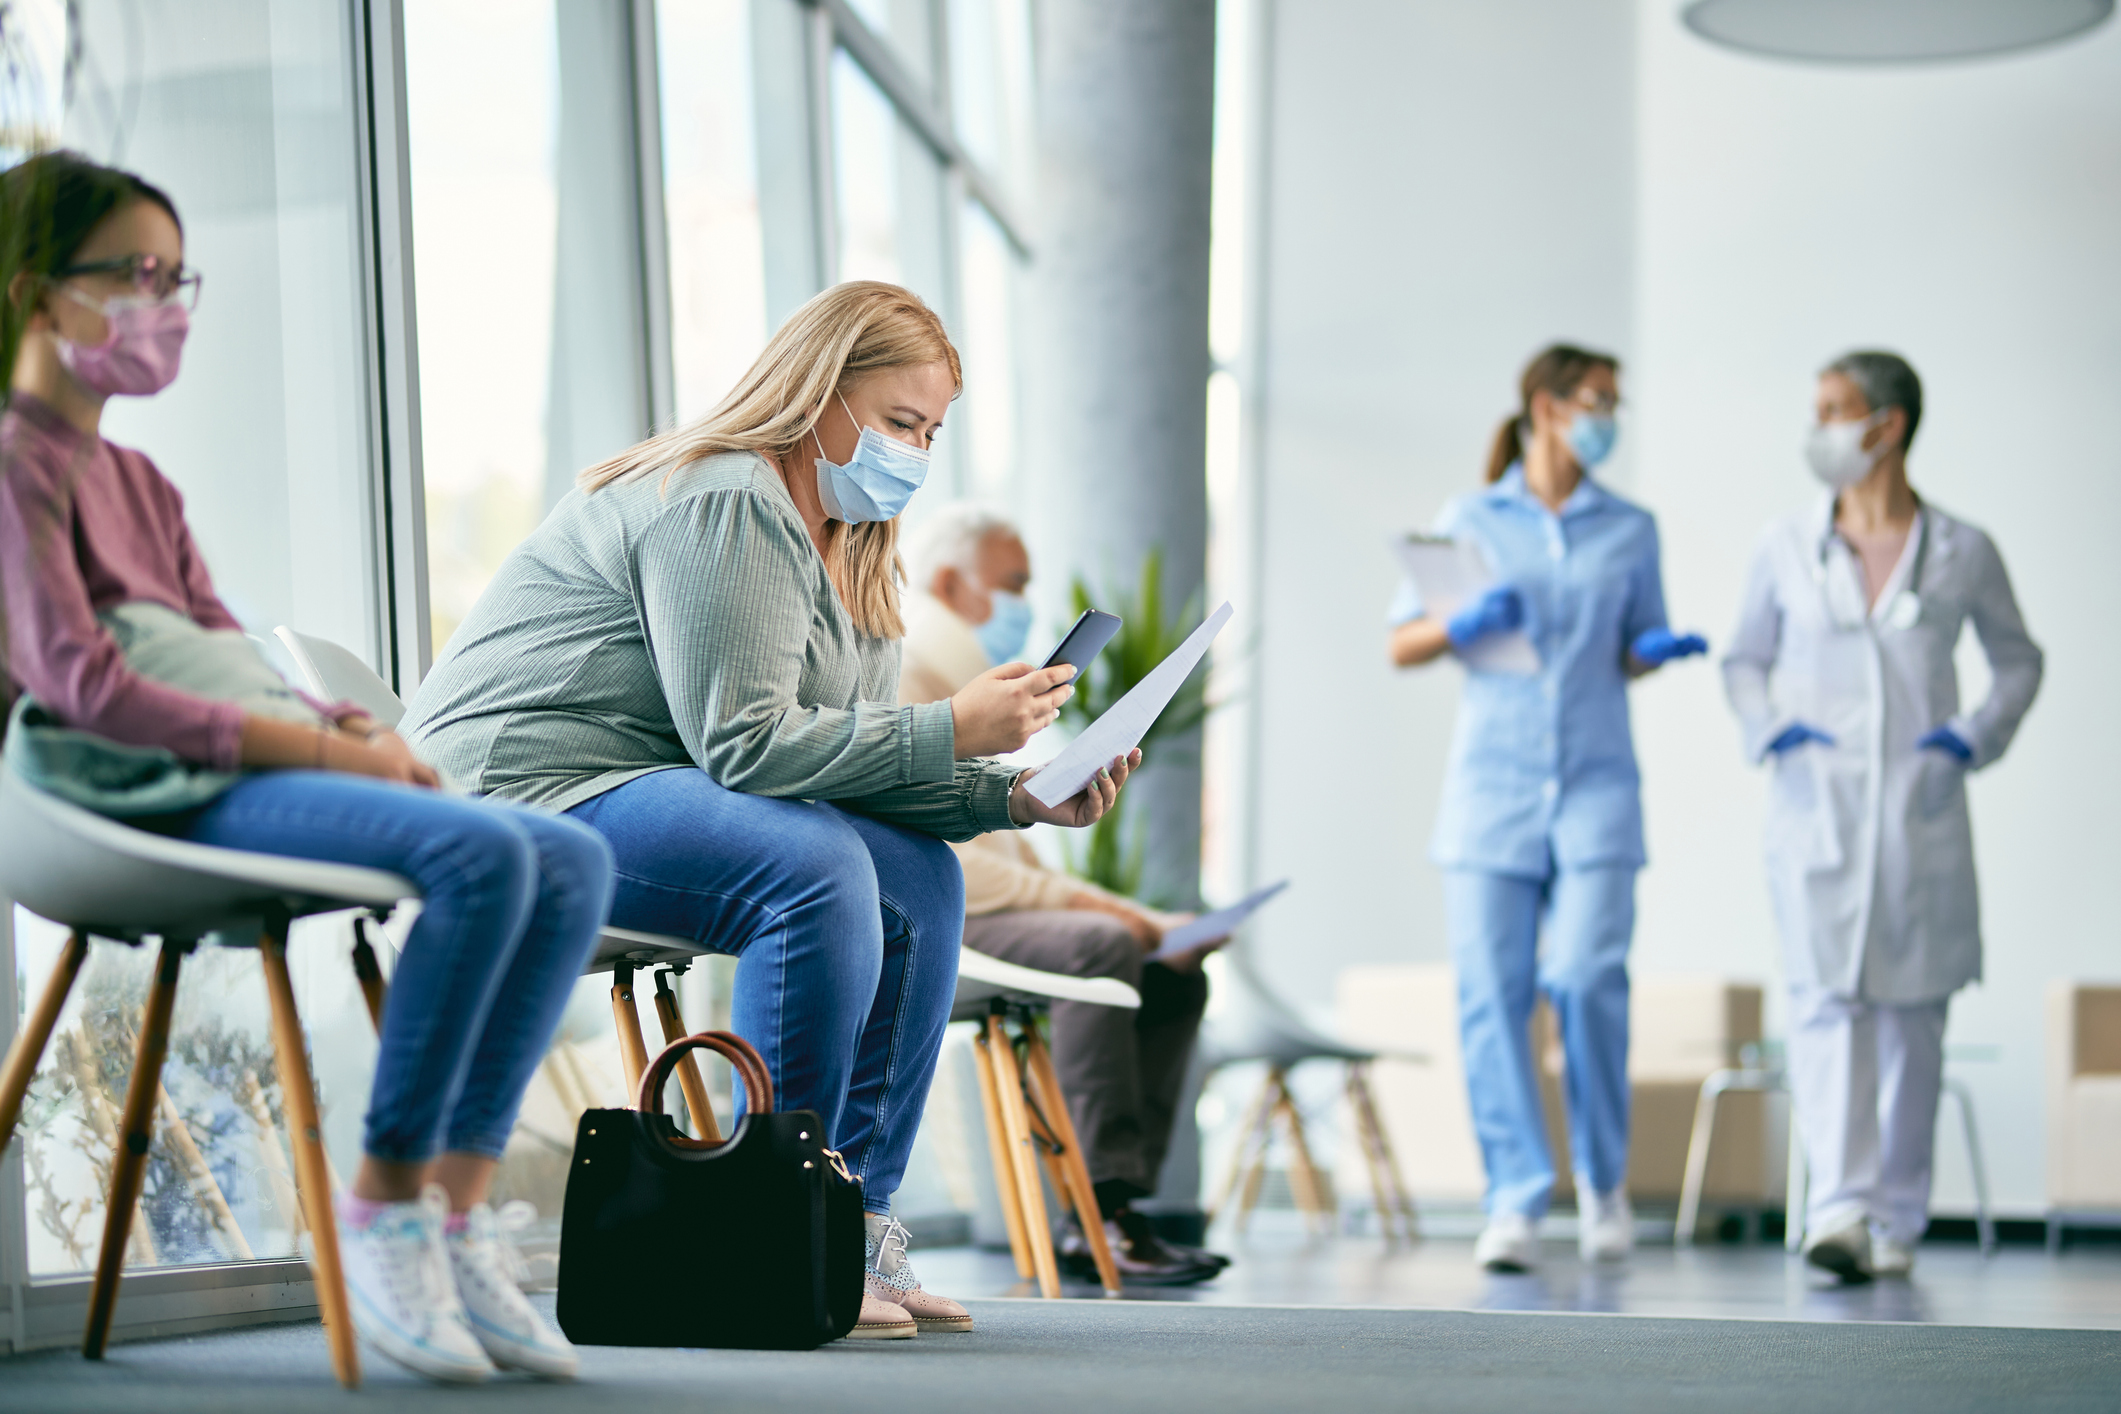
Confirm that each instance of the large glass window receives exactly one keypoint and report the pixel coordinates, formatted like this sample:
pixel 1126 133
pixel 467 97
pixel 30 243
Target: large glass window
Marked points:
pixel 710 198
pixel 244 111
pixel 990 277
pixel 990 83
pixel 484 203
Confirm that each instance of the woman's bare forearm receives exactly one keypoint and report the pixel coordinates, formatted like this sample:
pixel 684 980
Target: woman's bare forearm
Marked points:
pixel 1418 641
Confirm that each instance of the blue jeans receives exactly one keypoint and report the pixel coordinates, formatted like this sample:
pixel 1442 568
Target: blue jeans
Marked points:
pixel 847 930
pixel 1494 923
pixel 511 904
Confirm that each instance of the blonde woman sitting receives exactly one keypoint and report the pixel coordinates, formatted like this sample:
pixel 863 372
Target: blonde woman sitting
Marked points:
pixel 697 655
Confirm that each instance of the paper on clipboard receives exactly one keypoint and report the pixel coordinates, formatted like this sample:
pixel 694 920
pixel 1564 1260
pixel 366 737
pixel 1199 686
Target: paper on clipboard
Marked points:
pixel 1126 721
pixel 1210 927
pixel 1451 574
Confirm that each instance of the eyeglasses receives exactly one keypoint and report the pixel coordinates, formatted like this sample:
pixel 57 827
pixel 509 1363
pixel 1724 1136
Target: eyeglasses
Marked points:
pixel 148 275
pixel 1604 404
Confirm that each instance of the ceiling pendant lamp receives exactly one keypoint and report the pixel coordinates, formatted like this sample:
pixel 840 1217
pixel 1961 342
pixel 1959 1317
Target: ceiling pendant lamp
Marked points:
pixel 1890 31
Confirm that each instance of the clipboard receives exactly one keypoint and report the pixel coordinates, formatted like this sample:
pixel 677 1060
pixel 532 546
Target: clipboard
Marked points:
pixel 1452 574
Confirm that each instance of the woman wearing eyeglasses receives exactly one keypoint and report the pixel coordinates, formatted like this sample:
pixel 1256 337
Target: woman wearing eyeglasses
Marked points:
pixel 1541 823
pixel 125 659
pixel 1842 677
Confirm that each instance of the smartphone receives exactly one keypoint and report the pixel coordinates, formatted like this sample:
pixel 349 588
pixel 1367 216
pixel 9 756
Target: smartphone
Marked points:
pixel 1085 638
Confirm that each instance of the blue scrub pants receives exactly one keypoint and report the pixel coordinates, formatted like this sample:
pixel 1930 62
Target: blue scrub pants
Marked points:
pixel 1494 921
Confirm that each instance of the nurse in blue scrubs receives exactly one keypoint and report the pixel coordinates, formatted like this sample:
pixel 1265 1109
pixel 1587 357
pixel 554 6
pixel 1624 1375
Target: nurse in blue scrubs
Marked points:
pixel 1541 825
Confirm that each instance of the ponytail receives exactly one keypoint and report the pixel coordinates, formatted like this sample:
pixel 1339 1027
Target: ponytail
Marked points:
pixel 1508 447
pixel 1558 371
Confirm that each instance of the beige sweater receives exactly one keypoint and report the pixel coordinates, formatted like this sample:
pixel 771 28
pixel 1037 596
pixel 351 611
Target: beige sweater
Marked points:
pixel 1003 874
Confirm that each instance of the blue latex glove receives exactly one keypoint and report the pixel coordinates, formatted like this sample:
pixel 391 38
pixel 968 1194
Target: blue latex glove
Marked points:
pixel 1949 742
pixel 1497 611
pixel 1795 735
pixel 1660 645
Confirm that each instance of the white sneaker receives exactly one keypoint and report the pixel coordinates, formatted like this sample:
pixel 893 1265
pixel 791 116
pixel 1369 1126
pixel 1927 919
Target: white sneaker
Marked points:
pixel 404 1303
pixel 1844 1250
pixel 514 1335
pixel 1890 1258
pixel 1605 1224
pixel 1509 1243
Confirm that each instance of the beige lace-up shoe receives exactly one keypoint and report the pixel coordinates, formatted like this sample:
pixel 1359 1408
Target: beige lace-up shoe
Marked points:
pixel 882 1320
pixel 891 1279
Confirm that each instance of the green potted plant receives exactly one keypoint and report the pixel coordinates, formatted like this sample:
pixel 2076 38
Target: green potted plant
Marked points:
pixel 1146 637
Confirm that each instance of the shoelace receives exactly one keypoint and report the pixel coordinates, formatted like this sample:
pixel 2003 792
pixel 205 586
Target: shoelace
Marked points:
pixel 891 1262
pixel 413 1270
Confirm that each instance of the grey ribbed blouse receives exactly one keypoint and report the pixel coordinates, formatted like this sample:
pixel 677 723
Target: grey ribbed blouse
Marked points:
pixel 650 627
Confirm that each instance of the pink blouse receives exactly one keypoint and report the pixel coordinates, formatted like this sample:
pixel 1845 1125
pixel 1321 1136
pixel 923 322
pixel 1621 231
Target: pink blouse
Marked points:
pixel 85 525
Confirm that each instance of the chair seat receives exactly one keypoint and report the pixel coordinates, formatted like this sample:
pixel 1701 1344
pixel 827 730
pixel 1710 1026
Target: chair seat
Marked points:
pixel 981 979
pixel 629 945
pixel 83 870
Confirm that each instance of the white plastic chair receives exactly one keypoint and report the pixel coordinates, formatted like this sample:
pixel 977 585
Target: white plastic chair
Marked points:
pixel 1770 1078
pixel 1256 1026
pixel 1027 1114
pixel 334 674
pixel 102 879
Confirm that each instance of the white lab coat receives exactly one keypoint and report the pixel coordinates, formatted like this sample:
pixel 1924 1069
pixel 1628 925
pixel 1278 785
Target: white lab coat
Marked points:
pixel 1870 854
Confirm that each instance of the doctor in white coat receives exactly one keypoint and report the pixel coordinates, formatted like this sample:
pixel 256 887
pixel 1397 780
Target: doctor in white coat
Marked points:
pixel 1841 675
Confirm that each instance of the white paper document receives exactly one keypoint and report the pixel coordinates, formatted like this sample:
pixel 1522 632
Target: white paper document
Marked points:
pixel 1126 721
pixel 1211 926
pixel 1452 574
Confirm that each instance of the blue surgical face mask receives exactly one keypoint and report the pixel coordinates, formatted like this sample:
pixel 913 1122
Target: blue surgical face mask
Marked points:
pixel 876 482
pixel 1591 437
pixel 1002 636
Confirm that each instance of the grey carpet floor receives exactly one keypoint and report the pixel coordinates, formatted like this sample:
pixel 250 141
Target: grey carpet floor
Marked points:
pixel 1112 1357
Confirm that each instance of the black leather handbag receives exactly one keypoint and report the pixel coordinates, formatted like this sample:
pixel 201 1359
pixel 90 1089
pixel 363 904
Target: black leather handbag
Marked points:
pixel 751 1242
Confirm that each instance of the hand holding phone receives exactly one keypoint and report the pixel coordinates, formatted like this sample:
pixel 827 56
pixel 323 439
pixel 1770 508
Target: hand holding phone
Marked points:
pixel 1085 639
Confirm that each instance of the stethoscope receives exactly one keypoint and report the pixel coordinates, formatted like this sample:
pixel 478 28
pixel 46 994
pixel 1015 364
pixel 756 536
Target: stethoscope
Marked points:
pixel 1905 611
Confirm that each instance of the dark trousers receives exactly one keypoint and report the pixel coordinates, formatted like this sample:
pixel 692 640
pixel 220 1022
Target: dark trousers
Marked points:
pixel 1122 1070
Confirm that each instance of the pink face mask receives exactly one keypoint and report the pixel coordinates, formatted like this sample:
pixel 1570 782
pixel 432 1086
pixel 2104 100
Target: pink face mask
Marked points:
pixel 140 354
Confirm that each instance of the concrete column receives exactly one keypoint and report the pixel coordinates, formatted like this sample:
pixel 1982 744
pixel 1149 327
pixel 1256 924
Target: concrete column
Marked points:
pixel 1117 354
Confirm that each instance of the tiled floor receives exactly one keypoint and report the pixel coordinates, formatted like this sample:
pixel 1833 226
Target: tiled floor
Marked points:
pixel 1953 1284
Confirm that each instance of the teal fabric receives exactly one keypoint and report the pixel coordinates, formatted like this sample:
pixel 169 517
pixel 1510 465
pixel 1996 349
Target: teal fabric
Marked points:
pixel 102 775
pixel 126 782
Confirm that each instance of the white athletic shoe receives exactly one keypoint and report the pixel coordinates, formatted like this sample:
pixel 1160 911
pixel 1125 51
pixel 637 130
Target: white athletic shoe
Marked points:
pixel 1845 1250
pixel 1509 1243
pixel 514 1335
pixel 1605 1224
pixel 404 1303
pixel 1890 1258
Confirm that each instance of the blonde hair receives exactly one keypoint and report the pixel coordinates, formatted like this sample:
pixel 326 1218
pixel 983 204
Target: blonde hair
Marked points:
pixel 842 336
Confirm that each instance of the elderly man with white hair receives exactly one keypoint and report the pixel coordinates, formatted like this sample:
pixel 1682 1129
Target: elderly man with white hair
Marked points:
pixel 1123 1071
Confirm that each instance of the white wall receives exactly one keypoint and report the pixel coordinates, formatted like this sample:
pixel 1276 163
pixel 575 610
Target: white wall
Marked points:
pixel 1454 185
pixel 1967 215
pixel 1428 230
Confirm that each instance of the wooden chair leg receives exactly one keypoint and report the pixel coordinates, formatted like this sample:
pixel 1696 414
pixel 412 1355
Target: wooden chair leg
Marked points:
pixel 1075 1171
pixel 1257 1118
pixel 312 1171
pixel 1387 1184
pixel 1312 1194
pixel 626 1020
pixel 128 1163
pixel 1004 1159
pixel 369 974
pixel 689 1079
pixel 36 1033
pixel 1038 1231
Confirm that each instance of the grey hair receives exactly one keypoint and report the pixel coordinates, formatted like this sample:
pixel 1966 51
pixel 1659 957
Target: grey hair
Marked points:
pixel 1886 380
pixel 950 538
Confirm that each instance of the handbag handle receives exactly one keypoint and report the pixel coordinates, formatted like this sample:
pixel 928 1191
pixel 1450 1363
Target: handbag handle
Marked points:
pixel 758 1084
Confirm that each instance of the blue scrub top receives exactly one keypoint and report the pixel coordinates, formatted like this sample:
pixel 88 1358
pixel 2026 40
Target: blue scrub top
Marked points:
pixel 1542 771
